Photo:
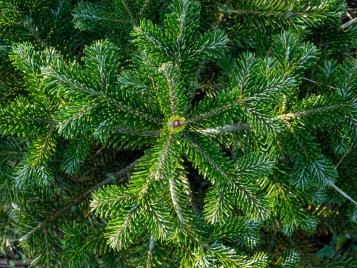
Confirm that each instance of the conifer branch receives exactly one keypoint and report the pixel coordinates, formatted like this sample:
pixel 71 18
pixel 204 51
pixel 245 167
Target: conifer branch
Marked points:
pixel 122 229
pixel 158 174
pixel 320 172
pixel 138 132
pixel 340 191
pixel 175 201
pixel 156 166
pixel 346 153
pixel 173 89
pixel 86 11
pixel 160 224
pixel 213 112
pixel 320 110
pixel 209 158
pixel 46 120
pixel 137 112
pixel 225 182
pixel 112 177
pixel 277 13
pixel 224 166
pixel 147 32
pixel 179 193
pixel 100 95
pixel 68 81
pixel 345 195
pixel 42 148
pixel 316 83
pixel 224 129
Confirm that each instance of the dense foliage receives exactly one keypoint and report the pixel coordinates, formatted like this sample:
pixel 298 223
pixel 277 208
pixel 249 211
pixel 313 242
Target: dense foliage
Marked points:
pixel 183 133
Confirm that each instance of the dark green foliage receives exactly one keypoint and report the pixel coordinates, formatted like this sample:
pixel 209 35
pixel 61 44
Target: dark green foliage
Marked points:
pixel 43 22
pixel 113 19
pixel 183 133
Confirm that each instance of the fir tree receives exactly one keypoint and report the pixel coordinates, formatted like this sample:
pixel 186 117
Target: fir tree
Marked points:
pixel 181 134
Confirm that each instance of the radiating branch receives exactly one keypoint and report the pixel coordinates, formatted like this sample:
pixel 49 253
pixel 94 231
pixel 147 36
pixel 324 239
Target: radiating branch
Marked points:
pixel 138 132
pixel 292 116
pixel 224 130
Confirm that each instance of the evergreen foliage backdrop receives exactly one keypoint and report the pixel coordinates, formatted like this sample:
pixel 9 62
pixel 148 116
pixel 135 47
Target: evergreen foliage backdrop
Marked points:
pixel 181 133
